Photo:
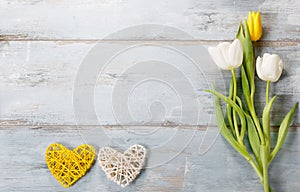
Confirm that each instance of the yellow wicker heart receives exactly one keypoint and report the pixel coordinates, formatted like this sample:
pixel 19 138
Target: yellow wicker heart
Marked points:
pixel 67 166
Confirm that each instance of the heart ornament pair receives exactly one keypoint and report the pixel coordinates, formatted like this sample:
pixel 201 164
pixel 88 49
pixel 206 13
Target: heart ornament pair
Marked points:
pixel 68 166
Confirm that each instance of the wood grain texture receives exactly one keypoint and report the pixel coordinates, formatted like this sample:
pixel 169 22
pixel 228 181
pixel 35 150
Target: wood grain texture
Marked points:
pixel 205 20
pixel 37 83
pixel 23 165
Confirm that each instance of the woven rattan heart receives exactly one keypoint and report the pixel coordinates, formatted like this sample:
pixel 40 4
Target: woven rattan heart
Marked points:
pixel 122 168
pixel 67 166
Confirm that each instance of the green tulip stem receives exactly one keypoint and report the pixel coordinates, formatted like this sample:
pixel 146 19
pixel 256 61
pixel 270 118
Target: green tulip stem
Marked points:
pixel 266 179
pixel 264 155
pixel 261 176
pixel 267 92
pixel 234 112
pixel 256 169
pixel 256 122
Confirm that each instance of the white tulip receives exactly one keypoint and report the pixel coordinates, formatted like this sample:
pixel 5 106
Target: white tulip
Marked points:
pixel 227 56
pixel 269 67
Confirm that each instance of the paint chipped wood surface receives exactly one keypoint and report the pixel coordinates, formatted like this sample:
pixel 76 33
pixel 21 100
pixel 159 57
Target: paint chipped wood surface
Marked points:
pixel 37 79
pixel 43 45
pixel 217 170
pixel 205 20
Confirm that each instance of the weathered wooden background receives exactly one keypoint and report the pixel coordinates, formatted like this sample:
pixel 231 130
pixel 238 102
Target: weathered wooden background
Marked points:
pixel 43 45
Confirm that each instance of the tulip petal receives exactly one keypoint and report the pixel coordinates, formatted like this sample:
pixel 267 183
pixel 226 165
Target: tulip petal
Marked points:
pixel 272 67
pixel 235 54
pixel 258 27
pixel 275 62
pixel 217 57
pixel 269 68
pixel 227 56
pixel 250 24
pixel 258 68
pixel 280 69
pixel 224 47
pixel 254 25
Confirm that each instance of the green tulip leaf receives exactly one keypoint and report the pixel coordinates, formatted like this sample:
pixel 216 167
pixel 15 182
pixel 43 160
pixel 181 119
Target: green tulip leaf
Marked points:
pixel 234 106
pixel 225 131
pixel 245 85
pixel 228 101
pixel 253 139
pixel 239 101
pixel 283 130
pixel 266 119
pixel 264 153
pixel 248 55
pixel 243 130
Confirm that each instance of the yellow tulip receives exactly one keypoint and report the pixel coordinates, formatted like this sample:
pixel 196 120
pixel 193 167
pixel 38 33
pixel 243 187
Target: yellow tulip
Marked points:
pixel 254 25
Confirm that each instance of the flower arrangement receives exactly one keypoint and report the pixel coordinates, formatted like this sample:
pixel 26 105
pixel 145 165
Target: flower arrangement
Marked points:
pixel 241 118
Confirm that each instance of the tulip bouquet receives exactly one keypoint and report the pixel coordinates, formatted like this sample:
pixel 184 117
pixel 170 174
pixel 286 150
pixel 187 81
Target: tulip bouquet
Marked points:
pixel 241 119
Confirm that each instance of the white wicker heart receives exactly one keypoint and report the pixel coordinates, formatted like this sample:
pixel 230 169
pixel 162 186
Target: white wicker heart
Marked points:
pixel 122 168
